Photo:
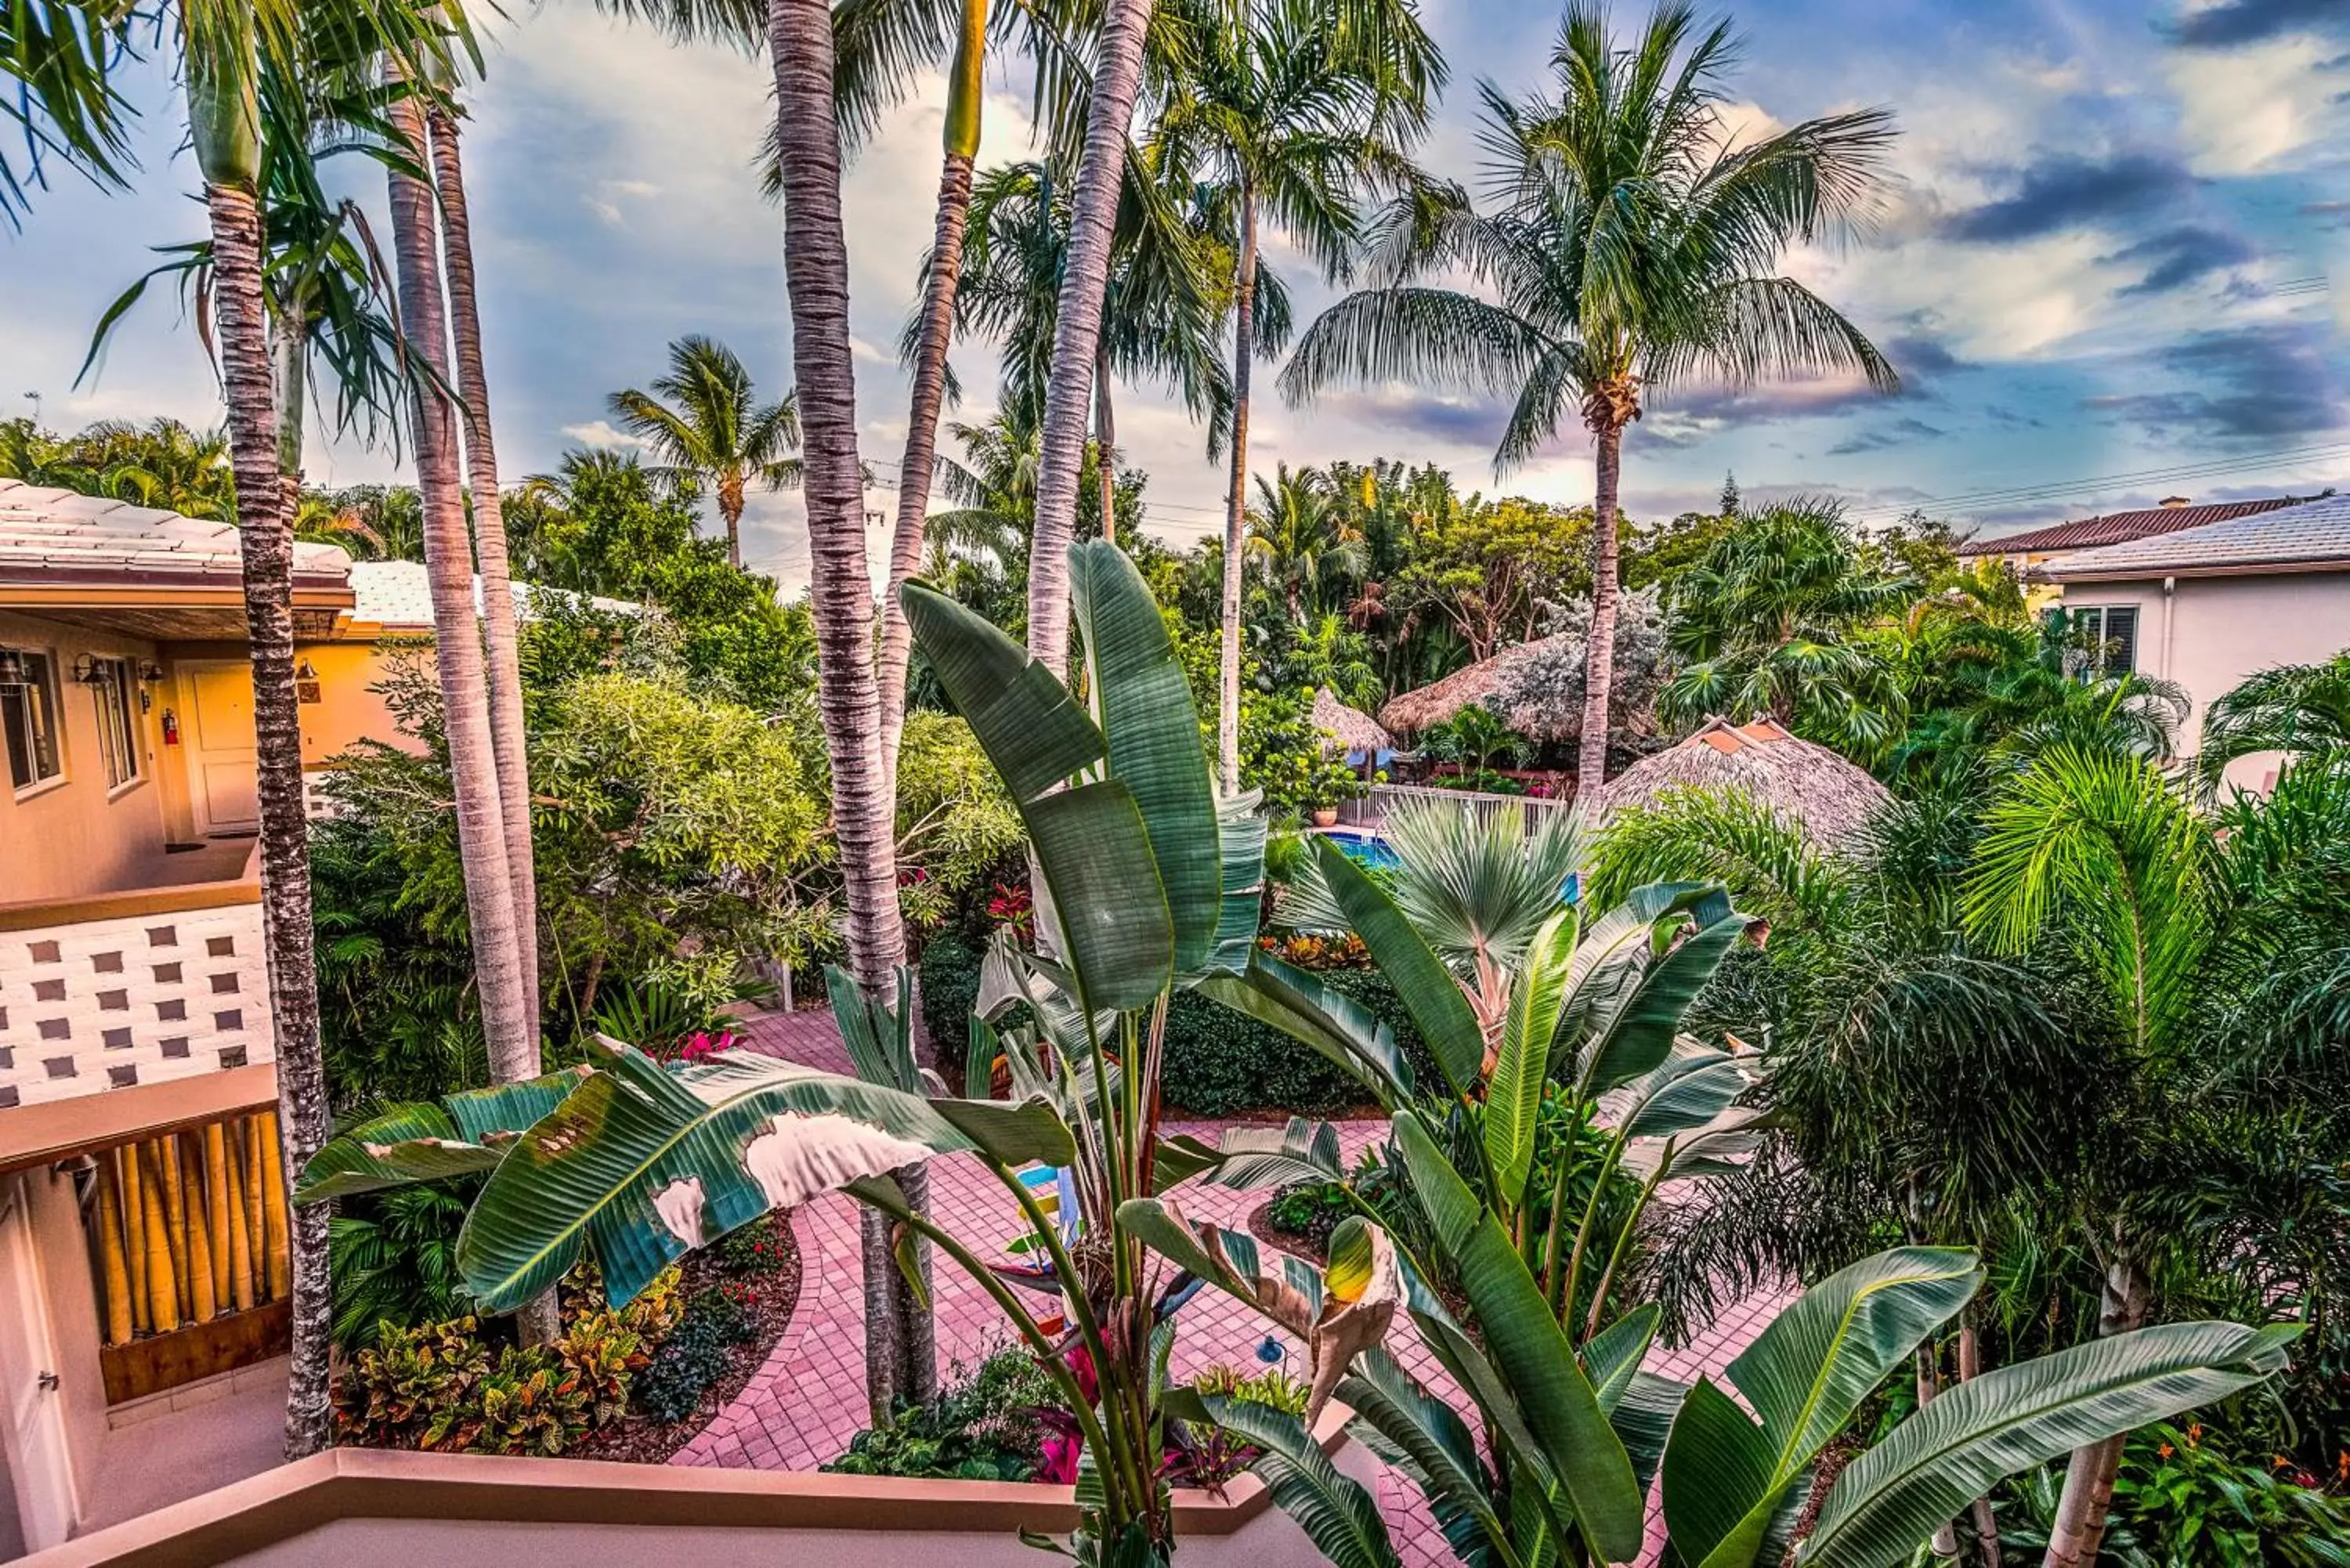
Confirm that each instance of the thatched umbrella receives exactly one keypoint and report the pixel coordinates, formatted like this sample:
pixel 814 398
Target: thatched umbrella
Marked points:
pixel 1355 730
pixel 1830 797
pixel 1483 682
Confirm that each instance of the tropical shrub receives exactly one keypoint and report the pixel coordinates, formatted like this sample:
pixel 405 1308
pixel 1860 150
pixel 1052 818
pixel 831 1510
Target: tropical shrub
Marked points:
pixel 983 1426
pixel 757 1250
pixel 1310 1208
pixel 695 1354
pixel 1208 1455
pixel 439 1386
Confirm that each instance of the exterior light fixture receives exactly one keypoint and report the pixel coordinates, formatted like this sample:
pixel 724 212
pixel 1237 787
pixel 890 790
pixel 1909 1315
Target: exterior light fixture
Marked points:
pixel 150 671
pixel 12 667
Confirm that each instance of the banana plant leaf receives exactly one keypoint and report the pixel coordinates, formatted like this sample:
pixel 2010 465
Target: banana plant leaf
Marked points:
pixel 1628 1006
pixel 1337 1515
pixel 1253 1157
pixel 1090 841
pixel 1970 1437
pixel 1728 1477
pixel 468 1132
pixel 1422 1436
pixel 879 1038
pixel 641 1165
pixel 1527 1346
pixel 1144 706
pixel 1513 1097
pixel 1429 990
pixel 1241 834
pixel 1322 1018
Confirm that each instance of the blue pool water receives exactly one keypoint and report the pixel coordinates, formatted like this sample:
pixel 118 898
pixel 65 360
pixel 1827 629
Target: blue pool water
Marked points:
pixel 1366 850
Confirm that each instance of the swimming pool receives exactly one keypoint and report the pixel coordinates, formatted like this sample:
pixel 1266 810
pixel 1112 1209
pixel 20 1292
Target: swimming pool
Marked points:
pixel 1364 849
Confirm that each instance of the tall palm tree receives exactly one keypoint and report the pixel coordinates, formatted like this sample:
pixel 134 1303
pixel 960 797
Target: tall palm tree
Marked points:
pixel 487 861
pixel 500 638
pixel 1301 533
pixel 715 429
pixel 898 1357
pixel 1077 323
pixel 1295 106
pixel 1762 625
pixel 63 106
pixel 2292 708
pixel 1633 247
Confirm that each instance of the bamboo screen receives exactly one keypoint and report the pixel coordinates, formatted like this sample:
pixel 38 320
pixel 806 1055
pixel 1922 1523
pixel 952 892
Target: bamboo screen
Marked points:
pixel 189 1226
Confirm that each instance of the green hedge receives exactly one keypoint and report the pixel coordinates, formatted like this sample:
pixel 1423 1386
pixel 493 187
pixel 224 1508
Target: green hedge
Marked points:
pixel 1218 1062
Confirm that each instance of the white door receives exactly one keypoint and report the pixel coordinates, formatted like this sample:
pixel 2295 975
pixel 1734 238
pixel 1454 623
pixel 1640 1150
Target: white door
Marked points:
pixel 218 735
pixel 42 1469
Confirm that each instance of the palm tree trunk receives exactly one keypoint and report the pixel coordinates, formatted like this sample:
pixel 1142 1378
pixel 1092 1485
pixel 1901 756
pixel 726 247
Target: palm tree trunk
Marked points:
pixel 290 349
pixel 966 96
pixel 1105 441
pixel 816 273
pixel 266 546
pixel 1093 217
pixel 1228 698
pixel 1986 1522
pixel 500 635
pixel 457 634
pixel 1599 655
pixel 2088 1495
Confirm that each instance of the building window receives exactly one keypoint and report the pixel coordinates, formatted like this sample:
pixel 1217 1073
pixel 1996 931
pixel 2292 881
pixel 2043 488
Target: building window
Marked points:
pixel 28 714
pixel 2106 636
pixel 118 722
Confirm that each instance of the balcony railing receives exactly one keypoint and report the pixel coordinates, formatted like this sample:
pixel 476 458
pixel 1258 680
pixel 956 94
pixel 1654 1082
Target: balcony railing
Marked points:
pixel 1373 809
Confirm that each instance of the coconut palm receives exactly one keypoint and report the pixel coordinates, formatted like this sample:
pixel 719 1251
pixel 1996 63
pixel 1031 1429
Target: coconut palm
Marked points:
pixel 1632 247
pixel 1078 322
pixel 713 430
pixel 1300 533
pixel 508 1021
pixel 1296 108
pixel 1762 625
pixel 750 441
pixel 2295 709
pixel 59 57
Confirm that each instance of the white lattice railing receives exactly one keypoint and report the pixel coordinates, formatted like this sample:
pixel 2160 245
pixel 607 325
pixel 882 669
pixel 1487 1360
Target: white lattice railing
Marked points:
pixel 125 999
pixel 1372 809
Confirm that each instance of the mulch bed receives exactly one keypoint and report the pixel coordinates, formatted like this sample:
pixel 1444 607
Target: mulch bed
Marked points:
pixel 1261 1226
pixel 636 1439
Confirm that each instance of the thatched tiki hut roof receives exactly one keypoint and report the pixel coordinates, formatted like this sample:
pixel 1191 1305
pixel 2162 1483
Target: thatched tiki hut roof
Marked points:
pixel 1355 729
pixel 1485 682
pixel 1829 797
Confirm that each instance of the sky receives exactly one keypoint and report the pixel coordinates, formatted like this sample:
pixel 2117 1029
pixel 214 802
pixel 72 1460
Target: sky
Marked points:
pixel 2114 265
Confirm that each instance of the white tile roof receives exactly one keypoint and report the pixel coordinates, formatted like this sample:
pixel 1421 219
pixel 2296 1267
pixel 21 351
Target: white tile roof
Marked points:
pixel 2313 533
pixel 47 532
pixel 397 596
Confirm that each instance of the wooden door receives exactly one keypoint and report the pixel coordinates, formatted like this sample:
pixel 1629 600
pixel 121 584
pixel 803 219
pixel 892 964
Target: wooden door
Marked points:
pixel 218 738
pixel 44 1470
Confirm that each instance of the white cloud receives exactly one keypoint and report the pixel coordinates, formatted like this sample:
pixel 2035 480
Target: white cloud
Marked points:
pixel 2252 111
pixel 600 432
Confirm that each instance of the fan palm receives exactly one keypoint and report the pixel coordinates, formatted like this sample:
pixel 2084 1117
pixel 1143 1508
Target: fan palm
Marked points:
pixel 1296 108
pixel 713 430
pixel 2295 709
pixel 1299 531
pixel 1763 626
pixel 1632 247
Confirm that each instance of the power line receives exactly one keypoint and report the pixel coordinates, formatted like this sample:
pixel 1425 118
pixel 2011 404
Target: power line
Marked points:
pixel 2048 490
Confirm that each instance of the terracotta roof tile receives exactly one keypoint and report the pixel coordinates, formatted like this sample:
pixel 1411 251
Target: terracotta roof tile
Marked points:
pixel 2313 533
pixel 2116 527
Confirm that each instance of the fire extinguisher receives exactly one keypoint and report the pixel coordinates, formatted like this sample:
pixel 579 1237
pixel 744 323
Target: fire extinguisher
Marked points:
pixel 171 728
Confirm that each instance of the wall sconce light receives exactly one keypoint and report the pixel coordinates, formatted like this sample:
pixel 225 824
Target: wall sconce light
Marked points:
pixel 88 672
pixel 12 667
pixel 305 670
pixel 150 671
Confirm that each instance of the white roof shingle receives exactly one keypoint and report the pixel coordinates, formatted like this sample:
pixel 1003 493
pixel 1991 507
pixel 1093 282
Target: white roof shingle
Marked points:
pixel 397 596
pixel 45 532
pixel 2315 532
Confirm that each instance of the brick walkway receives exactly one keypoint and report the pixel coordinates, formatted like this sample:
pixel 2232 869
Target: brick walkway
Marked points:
pixel 805 1405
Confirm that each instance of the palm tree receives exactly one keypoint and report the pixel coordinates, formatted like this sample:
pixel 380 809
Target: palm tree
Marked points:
pixel 1633 248
pixel 1077 324
pixel 500 638
pixel 898 1356
pixel 713 429
pixel 1294 106
pixel 2295 709
pixel 1764 625
pixel 1297 530
pixel 487 860
pixel 60 55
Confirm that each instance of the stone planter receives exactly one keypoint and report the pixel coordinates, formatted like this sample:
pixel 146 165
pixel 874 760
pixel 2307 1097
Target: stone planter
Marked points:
pixel 367 1507
pixel 1326 816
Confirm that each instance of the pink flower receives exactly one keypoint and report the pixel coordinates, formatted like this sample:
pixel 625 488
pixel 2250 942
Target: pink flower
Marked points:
pixel 1057 1465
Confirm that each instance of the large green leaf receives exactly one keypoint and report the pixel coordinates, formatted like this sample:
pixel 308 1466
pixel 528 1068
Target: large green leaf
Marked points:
pixel 1513 1098
pixel 1726 1478
pixel 1153 735
pixel 1239 832
pixel 1632 1031
pixel 1337 1515
pixel 1253 1157
pixel 1022 716
pixel 878 1038
pixel 1528 1346
pixel 641 1165
pixel 1691 1089
pixel 1429 990
pixel 468 1133
pixel 1090 844
pixel 1611 1356
pixel 1436 1444
pixel 1333 1024
pixel 1893 1495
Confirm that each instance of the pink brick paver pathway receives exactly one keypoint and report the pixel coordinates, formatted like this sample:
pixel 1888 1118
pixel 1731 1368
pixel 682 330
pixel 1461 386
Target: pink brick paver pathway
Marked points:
pixel 802 1407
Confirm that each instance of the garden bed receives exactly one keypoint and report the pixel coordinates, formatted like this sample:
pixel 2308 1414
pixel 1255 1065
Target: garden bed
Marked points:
pixel 639 1439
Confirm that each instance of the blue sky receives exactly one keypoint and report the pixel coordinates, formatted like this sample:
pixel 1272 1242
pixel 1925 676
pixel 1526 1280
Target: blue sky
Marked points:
pixel 2109 255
